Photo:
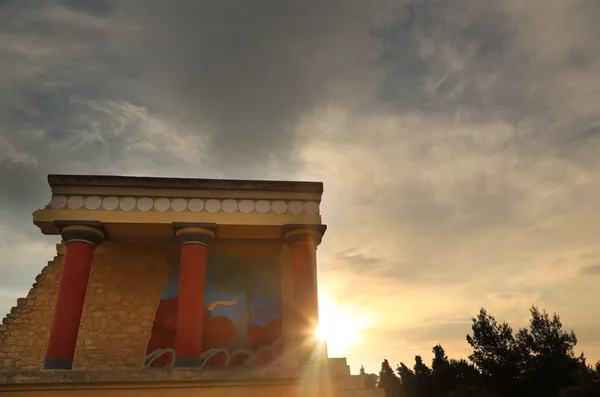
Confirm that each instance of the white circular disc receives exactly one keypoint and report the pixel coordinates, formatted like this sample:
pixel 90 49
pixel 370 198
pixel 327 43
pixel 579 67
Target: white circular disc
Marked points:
pixel 311 207
pixel 230 206
pixel 162 204
pixel 296 207
pixel 58 202
pixel 246 206
pixel 178 205
pixel 110 203
pixel 144 203
pixel 127 203
pixel 213 205
pixel 196 205
pixel 279 207
pixel 263 206
pixel 75 202
pixel 93 202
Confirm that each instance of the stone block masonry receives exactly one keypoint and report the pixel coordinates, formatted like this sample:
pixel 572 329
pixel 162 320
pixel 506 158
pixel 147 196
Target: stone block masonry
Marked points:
pixel 121 298
pixel 24 331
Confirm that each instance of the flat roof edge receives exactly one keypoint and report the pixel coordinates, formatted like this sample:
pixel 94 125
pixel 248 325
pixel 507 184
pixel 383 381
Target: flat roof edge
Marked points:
pixel 181 183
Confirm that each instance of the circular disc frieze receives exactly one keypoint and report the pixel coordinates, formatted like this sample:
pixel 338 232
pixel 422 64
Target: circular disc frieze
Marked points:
pixel 93 202
pixel 58 202
pixel 246 206
pixel 75 202
pixel 263 206
pixel 127 203
pixel 196 205
pixel 145 203
pixel 230 206
pixel 110 203
pixel 162 204
pixel 213 205
pixel 178 205
pixel 279 207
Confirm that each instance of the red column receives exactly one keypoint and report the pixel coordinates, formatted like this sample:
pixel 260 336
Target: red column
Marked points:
pixel 80 244
pixel 303 241
pixel 192 284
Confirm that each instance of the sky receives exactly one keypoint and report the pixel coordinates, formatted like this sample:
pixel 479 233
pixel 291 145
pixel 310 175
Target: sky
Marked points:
pixel 457 142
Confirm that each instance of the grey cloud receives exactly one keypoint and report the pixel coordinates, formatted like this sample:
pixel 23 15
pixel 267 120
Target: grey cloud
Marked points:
pixel 247 71
pixel 238 75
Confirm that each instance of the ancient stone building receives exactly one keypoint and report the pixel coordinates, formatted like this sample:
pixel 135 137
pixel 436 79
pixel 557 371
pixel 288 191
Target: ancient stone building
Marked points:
pixel 174 287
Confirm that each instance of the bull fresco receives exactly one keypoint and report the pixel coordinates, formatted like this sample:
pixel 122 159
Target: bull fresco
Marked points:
pixel 242 314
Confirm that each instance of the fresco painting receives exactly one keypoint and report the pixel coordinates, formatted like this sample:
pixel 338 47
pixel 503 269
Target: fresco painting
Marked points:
pixel 242 314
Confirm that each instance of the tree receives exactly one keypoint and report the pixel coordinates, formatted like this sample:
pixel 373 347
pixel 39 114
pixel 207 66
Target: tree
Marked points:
pixel 497 354
pixel 587 383
pixel 449 375
pixel 551 363
pixel 423 377
pixel 408 384
pixel 440 360
pixel 537 361
pixel 388 380
pixel 442 378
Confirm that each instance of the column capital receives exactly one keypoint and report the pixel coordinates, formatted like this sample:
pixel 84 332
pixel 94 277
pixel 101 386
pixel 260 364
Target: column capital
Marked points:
pixel 195 233
pixel 90 232
pixel 294 234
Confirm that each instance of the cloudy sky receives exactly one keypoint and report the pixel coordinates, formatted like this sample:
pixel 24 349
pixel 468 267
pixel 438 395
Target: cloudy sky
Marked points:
pixel 457 141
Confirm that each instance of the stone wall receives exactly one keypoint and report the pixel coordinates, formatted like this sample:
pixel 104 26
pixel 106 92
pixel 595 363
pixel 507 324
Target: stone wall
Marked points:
pixel 122 295
pixel 24 331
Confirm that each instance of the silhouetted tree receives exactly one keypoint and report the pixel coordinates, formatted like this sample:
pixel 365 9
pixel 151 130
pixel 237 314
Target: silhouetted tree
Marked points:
pixel 388 380
pixel 497 354
pixel 537 361
pixel 440 360
pixel 451 375
pixel 423 377
pixel 587 383
pixel 551 363
pixel 440 372
pixel 408 384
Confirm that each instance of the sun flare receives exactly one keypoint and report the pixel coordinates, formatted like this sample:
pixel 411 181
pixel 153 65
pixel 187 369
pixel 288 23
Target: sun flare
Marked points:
pixel 340 326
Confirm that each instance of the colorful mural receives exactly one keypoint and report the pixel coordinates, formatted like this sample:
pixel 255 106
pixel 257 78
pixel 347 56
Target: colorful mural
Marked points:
pixel 242 314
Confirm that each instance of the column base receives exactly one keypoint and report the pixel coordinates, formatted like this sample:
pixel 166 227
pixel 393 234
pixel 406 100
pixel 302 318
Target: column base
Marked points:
pixel 187 362
pixel 58 363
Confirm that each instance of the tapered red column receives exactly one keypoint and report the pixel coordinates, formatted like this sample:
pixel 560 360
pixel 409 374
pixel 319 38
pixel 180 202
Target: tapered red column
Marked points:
pixel 80 243
pixel 192 284
pixel 303 241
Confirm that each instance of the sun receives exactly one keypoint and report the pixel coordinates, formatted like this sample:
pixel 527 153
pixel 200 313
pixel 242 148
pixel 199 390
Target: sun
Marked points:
pixel 340 326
